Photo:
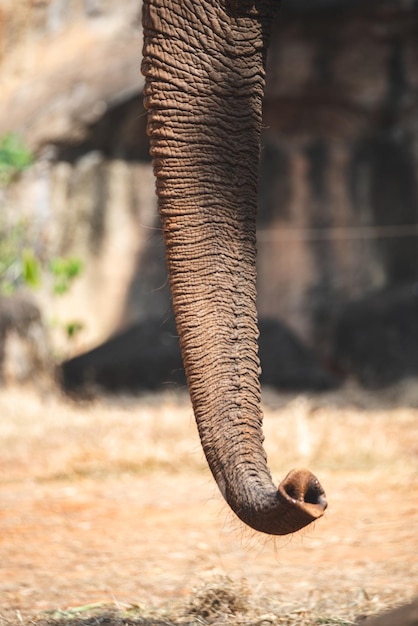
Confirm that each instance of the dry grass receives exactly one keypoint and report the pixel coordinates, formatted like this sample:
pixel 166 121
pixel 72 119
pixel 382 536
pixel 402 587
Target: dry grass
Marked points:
pixel 351 431
pixel 334 435
pixel 358 560
pixel 220 602
pixel 63 439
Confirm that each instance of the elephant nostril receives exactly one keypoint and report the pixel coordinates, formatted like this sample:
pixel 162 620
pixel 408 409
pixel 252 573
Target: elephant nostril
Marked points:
pixel 314 494
pixel 291 491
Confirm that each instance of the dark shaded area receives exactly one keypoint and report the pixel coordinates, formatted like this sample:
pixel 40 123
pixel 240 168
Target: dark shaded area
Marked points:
pixel 320 5
pixel 320 211
pixel 394 200
pixel 147 357
pixel 274 185
pixel 316 6
pixel 376 338
pixel 317 155
pixel 406 615
pixel 289 364
pixel 144 357
pixel 120 133
pixel 386 157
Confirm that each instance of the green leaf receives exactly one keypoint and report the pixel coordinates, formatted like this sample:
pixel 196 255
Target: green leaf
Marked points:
pixel 31 268
pixel 64 270
pixel 73 328
pixel 14 157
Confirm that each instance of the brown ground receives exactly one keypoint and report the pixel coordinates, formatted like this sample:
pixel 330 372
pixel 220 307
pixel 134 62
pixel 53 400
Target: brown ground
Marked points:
pixel 110 504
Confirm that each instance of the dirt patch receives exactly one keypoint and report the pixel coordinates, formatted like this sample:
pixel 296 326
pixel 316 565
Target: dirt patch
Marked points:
pixel 108 509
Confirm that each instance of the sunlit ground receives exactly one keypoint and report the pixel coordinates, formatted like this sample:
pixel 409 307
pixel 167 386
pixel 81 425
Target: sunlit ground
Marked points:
pixel 109 505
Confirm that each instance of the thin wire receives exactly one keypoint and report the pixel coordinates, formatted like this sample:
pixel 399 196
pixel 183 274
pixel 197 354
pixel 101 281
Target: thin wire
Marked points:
pixel 289 233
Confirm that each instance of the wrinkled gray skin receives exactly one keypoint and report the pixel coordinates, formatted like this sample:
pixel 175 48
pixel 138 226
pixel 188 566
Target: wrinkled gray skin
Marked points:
pixel 204 68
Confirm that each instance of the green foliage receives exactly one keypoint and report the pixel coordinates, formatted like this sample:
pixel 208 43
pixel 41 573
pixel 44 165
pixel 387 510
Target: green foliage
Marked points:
pixel 18 262
pixel 15 157
pixel 73 328
pixel 64 271
pixel 30 268
pixel 20 265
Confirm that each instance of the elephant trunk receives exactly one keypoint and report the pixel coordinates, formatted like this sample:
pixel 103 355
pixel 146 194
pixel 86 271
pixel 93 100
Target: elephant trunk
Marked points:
pixel 204 68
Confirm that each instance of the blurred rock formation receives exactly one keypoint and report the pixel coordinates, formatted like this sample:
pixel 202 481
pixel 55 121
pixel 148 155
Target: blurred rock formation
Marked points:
pixel 338 215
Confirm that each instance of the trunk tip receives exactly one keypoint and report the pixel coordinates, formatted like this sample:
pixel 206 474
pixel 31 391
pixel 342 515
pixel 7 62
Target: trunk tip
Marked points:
pixel 304 490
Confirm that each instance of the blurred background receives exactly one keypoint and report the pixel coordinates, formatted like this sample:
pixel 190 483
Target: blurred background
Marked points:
pixel 107 502
pixel 83 281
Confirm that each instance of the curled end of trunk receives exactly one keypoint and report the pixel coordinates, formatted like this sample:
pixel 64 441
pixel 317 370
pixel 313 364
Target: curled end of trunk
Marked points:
pixel 303 494
pixel 298 501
